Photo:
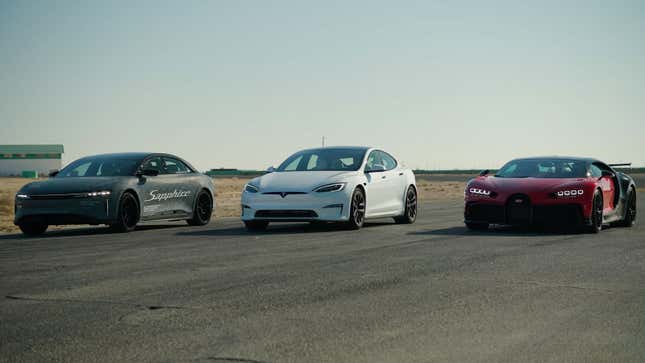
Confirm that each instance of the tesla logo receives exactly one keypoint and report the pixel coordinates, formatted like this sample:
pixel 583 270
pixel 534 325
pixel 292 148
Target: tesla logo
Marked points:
pixel 283 194
pixel 519 201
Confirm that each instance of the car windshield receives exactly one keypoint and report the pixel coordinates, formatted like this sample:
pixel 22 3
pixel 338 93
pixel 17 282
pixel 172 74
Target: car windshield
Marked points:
pixel 99 166
pixel 543 168
pixel 327 159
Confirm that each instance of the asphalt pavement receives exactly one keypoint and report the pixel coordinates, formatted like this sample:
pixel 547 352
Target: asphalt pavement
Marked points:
pixel 431 291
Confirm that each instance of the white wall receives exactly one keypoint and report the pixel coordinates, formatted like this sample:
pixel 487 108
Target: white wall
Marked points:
pixel 9 167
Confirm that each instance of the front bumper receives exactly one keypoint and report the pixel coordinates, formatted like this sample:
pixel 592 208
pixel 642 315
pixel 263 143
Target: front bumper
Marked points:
pixel 66 211
pixel 563 214
pixel 312 206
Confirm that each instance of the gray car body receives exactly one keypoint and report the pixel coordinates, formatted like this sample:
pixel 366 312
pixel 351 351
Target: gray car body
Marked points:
pixel 64 200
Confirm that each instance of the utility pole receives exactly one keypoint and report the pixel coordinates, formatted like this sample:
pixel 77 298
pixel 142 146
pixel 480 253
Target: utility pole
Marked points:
pixel 323 141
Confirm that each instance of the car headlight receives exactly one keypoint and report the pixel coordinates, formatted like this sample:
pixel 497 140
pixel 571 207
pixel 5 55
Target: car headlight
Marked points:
pixel 569 193
pixel 251 188
pixel 481 192
pixel 22 196
pixel 335 187
pixel 102 193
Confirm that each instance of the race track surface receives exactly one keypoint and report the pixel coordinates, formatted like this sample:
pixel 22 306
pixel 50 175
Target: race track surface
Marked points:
pixel 431 291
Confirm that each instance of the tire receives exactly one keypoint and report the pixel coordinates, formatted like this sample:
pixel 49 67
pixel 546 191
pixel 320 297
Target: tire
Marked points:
pixel 256 226
pixel 630 213
pixel 596 213
pixel 203 209
pixel 410 212
pixel 127 215
pixel 477 226
pixel 357 210
pixel 33 228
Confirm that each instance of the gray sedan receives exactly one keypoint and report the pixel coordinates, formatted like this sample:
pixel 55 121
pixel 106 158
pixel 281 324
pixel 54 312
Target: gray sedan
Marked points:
pixel 118 190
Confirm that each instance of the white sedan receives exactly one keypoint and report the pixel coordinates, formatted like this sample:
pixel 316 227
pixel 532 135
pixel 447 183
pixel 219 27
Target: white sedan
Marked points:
pixel 332 184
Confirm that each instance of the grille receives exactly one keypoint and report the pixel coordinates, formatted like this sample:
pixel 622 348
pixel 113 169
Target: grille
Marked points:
pixel 485 212
pixel 58 196
pixel 518 209
pixel 286 213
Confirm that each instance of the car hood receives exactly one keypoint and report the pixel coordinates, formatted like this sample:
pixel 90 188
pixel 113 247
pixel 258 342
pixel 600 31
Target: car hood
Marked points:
pixel 70 185
pixel 299 181
pixel 523 185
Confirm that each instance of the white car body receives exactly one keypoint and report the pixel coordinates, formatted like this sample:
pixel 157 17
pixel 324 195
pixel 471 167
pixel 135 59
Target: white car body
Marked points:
pixel 283 196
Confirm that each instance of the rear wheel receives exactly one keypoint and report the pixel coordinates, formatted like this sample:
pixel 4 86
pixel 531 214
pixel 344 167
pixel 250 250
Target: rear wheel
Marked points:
pixel 256 226
pixel 630 213
pixel 596 213
pixel 33 228
pixel 203 210
pixel 357 210
pixel 410 212
pixel 477 226
pixel 128 214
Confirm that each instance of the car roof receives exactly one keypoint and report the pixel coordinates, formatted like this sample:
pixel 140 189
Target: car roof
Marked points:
pixel 363 148
pixel 128 155
pixel 560 157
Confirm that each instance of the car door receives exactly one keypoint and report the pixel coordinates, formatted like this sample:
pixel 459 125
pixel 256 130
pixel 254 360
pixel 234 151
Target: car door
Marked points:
pixel 182 186
pixel 607 183
pixel 380 181
pixel 395 183
pixel 151 188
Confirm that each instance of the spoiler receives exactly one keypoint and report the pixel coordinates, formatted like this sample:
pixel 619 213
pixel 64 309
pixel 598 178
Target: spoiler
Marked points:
pixel 629 165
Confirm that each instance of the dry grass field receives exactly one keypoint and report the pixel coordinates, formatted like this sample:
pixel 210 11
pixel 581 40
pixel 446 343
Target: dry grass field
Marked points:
pixel 228 192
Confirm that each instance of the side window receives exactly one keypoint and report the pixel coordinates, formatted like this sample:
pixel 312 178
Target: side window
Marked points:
pixel 387 160
pixel 596 172
pixel 313 162
pixel 372 160
pixel 174 166
pixel 153 164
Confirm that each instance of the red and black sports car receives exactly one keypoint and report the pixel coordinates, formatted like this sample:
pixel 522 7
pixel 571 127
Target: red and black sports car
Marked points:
pixel 551 190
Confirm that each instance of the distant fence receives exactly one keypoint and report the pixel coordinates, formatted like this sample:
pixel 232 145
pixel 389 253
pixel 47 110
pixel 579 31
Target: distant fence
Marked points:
pixel 222 173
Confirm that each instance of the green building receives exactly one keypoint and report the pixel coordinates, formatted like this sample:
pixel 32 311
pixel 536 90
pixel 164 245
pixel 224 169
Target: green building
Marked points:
pixel 16 159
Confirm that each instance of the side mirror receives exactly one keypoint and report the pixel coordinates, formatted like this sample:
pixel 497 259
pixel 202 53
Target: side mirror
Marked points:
pixel 270 169
pixel 484 172
pixel 147 172
pixel 607 173
pixel 376 168
pixel 53 173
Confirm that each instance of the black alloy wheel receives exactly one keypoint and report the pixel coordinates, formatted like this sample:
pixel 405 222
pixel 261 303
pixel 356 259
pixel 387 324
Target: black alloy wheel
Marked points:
pixel 203 210
pixel 128 214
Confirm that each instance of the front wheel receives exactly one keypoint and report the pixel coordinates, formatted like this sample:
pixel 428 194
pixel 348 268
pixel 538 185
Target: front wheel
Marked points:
pixel 410 212
pixel 596 213
pixel 357 210
pixel 203 210
pixel 256 226
pixel 33 228
pixel 128 214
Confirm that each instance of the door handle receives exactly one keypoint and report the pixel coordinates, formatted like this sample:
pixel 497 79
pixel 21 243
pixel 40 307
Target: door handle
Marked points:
pixel 401 174
pixel 383 177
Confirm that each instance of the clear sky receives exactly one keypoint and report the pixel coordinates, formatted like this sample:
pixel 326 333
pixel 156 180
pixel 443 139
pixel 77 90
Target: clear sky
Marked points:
pixel 445 84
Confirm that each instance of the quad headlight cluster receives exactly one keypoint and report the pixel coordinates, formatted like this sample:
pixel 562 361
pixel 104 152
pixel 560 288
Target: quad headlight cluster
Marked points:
pixel 569 193
pixel 335 187
pixel 479 191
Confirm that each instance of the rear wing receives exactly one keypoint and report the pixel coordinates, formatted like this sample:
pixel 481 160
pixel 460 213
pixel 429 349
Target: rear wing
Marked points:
pixel 623 166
